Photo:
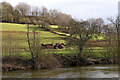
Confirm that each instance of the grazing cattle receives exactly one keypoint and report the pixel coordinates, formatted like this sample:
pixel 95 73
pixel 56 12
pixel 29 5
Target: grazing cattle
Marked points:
pixel 47 46
pixel 51 46
pixel 60 46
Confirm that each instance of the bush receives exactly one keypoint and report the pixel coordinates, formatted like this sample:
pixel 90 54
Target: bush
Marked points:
pixel 47 61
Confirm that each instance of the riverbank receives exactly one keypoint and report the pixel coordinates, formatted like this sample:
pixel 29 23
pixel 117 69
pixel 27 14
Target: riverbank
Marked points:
pixel 12 63
pixel 71 60
pixel 46 62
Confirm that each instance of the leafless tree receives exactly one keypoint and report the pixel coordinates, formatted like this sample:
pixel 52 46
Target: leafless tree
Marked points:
pixel 100 23
pixel 23 8
pixel 80 33
pixel 35 11
pixel 116 23
pixel 34 47
pixel 34 43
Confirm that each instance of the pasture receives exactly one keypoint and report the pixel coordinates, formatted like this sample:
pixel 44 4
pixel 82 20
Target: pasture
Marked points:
pixel 14 35
pixel 14 42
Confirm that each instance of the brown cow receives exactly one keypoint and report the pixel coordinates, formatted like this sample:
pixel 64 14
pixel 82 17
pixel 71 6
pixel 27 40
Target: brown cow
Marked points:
pixel 47 46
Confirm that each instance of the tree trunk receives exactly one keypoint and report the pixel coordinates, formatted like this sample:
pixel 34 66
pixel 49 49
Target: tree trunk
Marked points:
pixel 32 54
pixel 80 52
pixel 79 55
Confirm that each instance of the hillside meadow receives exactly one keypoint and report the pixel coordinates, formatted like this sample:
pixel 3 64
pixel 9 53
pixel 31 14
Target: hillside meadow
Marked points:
pixel 14 35
pixel 14 42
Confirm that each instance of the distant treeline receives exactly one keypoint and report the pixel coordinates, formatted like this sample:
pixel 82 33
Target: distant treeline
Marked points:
pixel 22 10
pixel 23 13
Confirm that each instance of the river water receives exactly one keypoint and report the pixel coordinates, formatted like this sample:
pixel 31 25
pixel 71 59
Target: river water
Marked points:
pixel 92 71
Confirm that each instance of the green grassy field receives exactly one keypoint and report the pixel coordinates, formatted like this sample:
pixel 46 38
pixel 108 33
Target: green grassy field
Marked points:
pixel 16 34
pixel 54 26
pixel 22 27
pixel 13 27
pixel 14 41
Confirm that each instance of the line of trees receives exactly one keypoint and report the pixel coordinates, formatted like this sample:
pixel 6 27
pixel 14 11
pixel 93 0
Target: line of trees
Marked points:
pixel 23 13
pixel 22 10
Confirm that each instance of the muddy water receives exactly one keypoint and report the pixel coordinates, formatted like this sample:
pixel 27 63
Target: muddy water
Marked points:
pixel 92 71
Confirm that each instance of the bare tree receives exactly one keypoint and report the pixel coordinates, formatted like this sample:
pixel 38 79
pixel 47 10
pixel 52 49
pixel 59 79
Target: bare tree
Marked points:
pixel 23 8
pixel 44 12
pixel 100 23
pixel 34 43
pixel 63 20
pixel 109 32
pixel 116 24
pixel 80 33
pixel 53 16
pixel 34 47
